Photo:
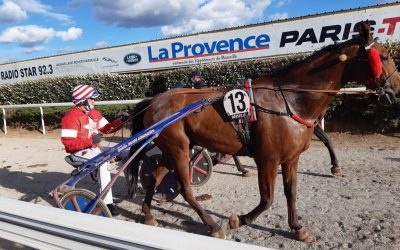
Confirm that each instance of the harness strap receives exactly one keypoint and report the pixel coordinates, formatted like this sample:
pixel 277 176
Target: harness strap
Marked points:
pixel 279 113
pixel 243 130
pixel 269 111
pixel 294 116
pixel 302 121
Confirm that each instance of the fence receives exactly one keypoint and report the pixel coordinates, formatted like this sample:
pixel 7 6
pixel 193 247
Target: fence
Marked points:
pixel 66 104
pixel 63 104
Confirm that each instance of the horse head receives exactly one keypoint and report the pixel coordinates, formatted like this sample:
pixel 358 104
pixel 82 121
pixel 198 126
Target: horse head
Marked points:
pixel 369 63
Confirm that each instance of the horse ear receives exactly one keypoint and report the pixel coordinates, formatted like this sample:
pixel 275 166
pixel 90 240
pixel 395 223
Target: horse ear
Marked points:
pixel 365 32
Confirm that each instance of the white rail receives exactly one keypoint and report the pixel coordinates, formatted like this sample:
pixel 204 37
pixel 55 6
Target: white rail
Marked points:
pixel 43 227
pixel 62 104
pixel 66 104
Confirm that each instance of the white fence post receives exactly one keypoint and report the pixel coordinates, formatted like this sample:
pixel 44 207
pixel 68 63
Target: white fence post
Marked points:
pixel 41 117
pixel 4 121
pixel 322 122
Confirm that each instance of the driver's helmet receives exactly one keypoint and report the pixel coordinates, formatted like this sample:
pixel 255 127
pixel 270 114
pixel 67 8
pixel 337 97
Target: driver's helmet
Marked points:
pixel 83 92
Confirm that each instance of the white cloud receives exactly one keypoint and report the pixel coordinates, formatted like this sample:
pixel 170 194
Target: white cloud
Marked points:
pixel 35 6
pixel 34 49
pixel 10 12
pixel 142 13
pixel 278 16
pixel 64 50
pixel 281 3
pixel 101 44
pixel 30 36
pixel 8 60
pixel 214 14
pixel 27 36
pixel 179 16
pixel 71 34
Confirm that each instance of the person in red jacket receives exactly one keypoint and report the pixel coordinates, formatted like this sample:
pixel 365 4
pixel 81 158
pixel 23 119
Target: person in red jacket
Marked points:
pixel 80 134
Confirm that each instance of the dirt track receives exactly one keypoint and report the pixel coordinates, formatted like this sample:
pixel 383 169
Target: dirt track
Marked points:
pixel 358 210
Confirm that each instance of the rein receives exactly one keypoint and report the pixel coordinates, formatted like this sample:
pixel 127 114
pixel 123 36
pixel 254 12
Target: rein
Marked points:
pixel 327 91
pixel 288 112
pixel 126 121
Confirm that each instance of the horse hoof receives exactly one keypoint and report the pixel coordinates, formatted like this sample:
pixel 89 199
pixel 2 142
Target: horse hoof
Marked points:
pixel 304 235
pixel 246 174
pixel 234 221
pixel 335 170
pixel 218 234
pixel 150 221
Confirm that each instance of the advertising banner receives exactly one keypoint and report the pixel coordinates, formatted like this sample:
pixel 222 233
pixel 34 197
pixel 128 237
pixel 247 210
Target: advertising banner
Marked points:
pixel 249 42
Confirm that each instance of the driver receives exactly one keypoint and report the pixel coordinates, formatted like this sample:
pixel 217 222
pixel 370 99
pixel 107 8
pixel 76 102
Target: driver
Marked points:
pixel 80 135
pixel 198 83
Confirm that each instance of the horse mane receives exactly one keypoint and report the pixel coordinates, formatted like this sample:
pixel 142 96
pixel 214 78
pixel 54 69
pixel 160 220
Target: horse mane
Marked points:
pixel 316 54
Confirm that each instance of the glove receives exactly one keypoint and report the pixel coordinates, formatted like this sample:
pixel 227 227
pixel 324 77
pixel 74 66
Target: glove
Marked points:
pixel 97 138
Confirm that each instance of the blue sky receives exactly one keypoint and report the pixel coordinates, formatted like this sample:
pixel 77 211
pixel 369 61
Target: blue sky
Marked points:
pixel 37 28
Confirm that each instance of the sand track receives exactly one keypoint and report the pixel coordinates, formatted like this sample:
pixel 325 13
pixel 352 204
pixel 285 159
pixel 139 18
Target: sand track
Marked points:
pixel 359 209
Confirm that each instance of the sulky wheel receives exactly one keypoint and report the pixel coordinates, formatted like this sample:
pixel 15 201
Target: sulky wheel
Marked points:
pixel 168 188
pixel 79 200
pixel 200 166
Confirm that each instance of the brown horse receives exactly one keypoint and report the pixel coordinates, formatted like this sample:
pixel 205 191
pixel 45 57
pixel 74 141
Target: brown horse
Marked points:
pixel 304 88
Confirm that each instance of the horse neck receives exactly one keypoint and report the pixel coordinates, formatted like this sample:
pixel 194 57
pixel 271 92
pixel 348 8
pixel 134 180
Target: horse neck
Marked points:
pixel 323 73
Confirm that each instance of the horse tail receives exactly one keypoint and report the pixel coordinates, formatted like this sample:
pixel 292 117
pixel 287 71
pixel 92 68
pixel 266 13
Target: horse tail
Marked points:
pixel 132 171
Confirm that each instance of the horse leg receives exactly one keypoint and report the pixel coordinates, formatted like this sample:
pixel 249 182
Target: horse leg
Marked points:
pixel 289 175
pixel 267 172
pixel 319 132
pixel 182 174
pixel 240 168
pixel 158 176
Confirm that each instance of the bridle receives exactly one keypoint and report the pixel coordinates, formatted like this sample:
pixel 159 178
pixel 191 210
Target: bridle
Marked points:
pixel 382 89
pixel 383 81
